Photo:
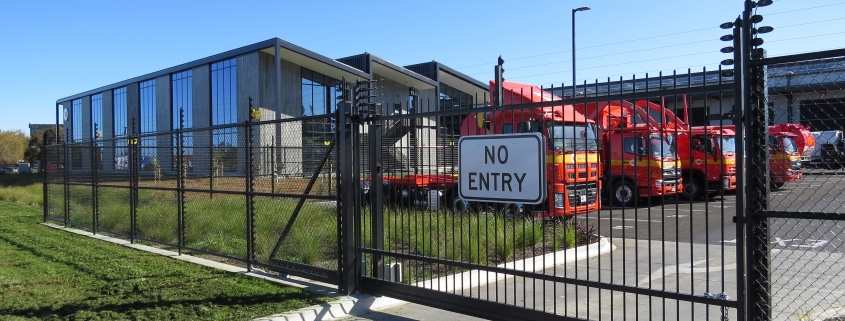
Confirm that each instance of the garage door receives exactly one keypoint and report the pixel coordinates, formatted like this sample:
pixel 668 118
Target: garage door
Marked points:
pixel 823 114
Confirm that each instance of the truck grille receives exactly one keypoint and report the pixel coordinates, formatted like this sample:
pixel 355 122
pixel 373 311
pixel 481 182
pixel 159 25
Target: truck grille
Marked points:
pixel 582 194
pixel 671 174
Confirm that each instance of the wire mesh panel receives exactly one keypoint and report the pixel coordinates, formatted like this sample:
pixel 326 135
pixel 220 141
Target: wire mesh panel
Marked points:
pixel 114 213
pixel 802 234
pixel 215 202
pixel 296 227
pixel 54 178
pixel 616 234
pixel 80 177
pixel 807 263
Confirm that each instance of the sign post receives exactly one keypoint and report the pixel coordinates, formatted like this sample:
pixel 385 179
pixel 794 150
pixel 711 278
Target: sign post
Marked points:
pixel 506 168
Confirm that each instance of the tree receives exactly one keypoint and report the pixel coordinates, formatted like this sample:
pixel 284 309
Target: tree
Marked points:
pixel 36 143
pixel 12 146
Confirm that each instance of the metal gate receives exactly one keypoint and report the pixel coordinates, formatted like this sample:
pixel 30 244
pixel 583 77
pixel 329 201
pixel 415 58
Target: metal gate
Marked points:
pixel 754 237
pixel 654 254
pixel 792 230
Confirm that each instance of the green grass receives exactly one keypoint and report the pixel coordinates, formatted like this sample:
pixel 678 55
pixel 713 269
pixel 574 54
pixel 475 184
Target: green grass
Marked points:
pixel 216 223
pixel 54 275
pixel 22 189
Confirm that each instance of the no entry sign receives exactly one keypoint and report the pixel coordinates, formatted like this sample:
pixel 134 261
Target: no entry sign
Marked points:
pixel 507 168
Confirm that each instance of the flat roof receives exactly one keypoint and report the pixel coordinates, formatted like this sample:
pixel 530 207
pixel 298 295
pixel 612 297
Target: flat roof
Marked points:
pixel 288 51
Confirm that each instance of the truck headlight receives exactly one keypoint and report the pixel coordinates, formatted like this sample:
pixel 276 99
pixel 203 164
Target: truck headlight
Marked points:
pixel 559 200
pixel 658 184
pixel 727 182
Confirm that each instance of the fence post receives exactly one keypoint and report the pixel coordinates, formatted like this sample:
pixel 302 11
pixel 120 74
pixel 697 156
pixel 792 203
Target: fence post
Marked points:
pixel 43 173
pixel 250 198
pixel 349 262
pixel 753 267
pixel 180 180
pixel 95 199
pixel 741 215
pixel 133 182
pixel 376 198
pixel 66 180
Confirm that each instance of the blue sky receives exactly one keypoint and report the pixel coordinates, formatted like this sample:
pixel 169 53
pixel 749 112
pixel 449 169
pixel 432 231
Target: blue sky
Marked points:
pixel 54 49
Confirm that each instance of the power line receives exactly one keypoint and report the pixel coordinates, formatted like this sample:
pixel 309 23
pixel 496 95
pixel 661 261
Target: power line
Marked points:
pixel 659 36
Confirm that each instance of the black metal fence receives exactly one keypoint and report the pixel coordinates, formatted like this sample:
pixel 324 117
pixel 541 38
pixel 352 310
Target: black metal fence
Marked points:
pixel 260 193
pixel 643 214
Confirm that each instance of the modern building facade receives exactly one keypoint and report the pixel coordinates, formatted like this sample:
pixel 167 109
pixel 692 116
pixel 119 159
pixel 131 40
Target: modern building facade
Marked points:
pixel 282 80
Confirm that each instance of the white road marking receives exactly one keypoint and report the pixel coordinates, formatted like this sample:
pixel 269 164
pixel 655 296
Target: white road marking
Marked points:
pixel 802 243
pixel 680 215
pixel 621 227
pixel 685 268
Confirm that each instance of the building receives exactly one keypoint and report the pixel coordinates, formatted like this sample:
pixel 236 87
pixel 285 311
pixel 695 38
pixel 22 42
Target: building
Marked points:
pixel 282 80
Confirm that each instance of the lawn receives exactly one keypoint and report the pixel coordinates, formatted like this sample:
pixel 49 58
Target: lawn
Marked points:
pixel 54 275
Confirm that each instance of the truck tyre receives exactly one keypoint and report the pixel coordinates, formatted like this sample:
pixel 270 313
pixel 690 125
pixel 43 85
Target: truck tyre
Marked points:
pixel 624 193
pixel 512 211
pixel 454 202
pixel 777 186
pixel 693 189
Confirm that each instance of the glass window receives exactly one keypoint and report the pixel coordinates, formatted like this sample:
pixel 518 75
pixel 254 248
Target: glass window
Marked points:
pixel 121 153
pixel 569 137
pixel 728 144
pixel 773 144
pixel 223 93
pixel 76 120
pixel 97 116
pixel 224 111
pixel 182 103
pixel 119 110
pixel 789 145
pixel 318 93
pixel 148 123
pixel 450 99
pixel 183 115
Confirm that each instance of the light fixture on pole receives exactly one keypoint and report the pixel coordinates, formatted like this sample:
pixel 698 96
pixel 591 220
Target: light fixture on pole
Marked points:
pixel 573 45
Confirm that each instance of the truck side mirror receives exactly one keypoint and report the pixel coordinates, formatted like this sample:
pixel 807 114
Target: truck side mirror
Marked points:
pixel 524 127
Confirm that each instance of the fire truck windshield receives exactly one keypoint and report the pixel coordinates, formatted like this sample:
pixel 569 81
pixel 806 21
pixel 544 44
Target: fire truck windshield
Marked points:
pixel 728 144
pixel 789 145
pixel 571 137
pixel 661 147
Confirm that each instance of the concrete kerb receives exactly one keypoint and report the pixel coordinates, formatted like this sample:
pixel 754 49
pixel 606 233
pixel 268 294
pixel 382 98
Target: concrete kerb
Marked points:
pixel 344 306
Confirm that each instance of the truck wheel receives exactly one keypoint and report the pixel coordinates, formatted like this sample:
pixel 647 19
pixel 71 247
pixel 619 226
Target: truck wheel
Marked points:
pixel 624 193
pixel 452 200
pixel 778 185
pixel 693 189
pixel 512 211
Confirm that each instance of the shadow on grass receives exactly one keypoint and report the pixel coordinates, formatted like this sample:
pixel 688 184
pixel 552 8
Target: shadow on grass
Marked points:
pixel 153 303
pixel 18 180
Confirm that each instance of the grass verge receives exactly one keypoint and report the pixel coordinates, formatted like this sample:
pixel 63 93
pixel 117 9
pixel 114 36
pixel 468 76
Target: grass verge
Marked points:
pixel 54 275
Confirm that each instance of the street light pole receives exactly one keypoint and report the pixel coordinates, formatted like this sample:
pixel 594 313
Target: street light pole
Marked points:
pixel 573 45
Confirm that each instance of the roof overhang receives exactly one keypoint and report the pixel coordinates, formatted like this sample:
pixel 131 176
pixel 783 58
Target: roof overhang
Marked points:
pixel 399 74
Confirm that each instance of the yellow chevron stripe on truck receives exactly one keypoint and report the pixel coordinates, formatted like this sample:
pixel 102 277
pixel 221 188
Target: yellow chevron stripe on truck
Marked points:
pixel 572 158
